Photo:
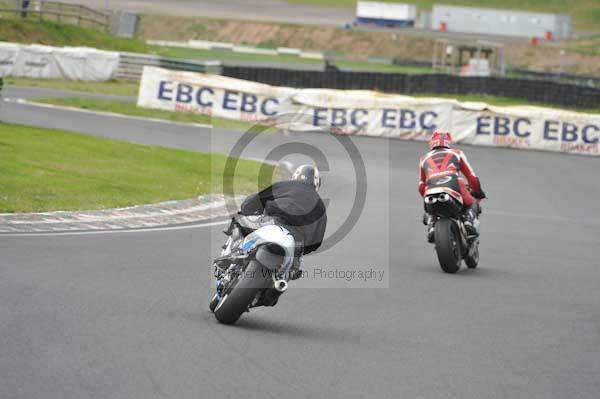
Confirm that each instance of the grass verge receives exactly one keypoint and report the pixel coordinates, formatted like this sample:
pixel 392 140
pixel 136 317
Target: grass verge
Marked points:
pixel 132 109
pixel 32 30
pixel 225 55
pixel 113 87
pixel 387 68
pixel 45 170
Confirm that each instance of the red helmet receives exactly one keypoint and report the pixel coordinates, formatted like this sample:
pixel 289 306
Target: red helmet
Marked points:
pixel 439 139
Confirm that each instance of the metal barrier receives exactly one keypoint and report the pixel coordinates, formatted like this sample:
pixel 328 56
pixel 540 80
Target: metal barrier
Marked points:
pixel 65 13
pixel 580 80
pixel 132 64
pixel 530 90
pixel 208 45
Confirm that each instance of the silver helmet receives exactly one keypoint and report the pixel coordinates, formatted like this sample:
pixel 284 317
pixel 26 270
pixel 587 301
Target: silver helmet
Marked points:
pixel 308 174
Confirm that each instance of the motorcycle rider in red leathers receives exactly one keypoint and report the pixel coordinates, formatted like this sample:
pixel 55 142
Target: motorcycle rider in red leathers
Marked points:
pixel 442 161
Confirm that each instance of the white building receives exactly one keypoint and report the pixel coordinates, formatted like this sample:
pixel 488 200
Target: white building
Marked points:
pixel 500 22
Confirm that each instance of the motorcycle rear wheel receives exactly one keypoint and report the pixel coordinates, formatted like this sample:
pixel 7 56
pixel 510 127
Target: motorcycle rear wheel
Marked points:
pixel 447 245
pixel 238 297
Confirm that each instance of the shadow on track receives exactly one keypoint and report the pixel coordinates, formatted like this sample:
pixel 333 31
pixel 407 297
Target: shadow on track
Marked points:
pixel 254 322
pixel 297 328
pixel 480 272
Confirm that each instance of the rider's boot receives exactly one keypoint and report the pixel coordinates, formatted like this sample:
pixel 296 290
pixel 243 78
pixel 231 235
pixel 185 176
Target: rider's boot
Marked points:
pixel 471 220
pixel 270 297
pixel 229 230
pixel 295 272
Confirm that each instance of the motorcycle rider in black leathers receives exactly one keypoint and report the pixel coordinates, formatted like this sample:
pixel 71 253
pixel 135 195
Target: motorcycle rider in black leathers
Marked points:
pixel 298 205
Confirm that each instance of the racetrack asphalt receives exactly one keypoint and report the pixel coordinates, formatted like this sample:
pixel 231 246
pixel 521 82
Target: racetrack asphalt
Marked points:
pixel 125 315
pixel 257 10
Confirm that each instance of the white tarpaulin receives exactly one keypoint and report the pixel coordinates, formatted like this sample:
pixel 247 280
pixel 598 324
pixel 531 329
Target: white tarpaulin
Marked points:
pixel 35 61
pixel 69 63
pixel 361 112
pixel 81 63
pixel 8 58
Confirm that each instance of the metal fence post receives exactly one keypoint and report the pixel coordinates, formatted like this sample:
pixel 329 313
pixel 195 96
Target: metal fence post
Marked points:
pixel 24 8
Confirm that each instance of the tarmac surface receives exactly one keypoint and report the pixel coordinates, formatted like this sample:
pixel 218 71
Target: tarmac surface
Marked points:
pixel 122 315
pixel 256 10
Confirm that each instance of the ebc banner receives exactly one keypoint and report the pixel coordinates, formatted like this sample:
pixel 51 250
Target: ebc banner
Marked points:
pixel 211 95
pixel 369 113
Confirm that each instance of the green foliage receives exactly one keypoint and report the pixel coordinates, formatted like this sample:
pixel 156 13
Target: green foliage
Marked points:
pixel 113 87
pixel 31 30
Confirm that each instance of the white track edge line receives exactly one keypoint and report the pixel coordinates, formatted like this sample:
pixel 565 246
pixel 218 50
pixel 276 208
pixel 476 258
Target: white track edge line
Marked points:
pixel 116 231
pixel 103 113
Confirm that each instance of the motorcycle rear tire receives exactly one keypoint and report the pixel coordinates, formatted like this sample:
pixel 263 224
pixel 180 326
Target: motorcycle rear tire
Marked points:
pixel 239 297
pixel 447 245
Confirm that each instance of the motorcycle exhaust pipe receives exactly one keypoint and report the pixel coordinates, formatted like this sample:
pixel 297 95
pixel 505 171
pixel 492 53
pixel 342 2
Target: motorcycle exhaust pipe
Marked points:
pixel 430 200
pixel 444 197
pixel 281 285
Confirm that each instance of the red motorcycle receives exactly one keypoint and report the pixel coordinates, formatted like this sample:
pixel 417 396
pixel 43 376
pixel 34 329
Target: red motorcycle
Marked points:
pixel 453 243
